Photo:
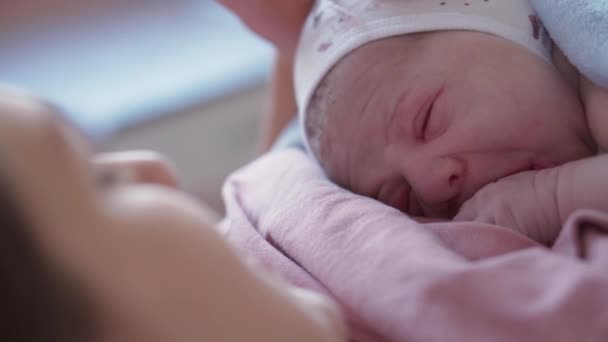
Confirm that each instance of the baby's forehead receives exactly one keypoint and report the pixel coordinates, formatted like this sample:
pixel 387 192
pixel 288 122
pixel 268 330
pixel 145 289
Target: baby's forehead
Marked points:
pixel 342 95
pixel 404 48
pixel 336 28
pixel 413 61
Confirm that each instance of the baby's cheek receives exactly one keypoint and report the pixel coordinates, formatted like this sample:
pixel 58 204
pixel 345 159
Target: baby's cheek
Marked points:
pixel 534 125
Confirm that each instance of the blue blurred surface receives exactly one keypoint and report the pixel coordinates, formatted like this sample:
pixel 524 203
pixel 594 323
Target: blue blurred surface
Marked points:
pixel 118 65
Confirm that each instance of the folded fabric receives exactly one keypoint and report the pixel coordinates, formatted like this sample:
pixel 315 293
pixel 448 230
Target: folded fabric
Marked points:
pixel 580 29
pixel 398 280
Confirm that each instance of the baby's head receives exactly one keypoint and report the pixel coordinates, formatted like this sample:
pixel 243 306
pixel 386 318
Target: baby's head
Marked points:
pixel 422 121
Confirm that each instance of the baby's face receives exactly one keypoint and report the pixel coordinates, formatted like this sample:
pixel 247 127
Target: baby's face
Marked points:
pixel 422 123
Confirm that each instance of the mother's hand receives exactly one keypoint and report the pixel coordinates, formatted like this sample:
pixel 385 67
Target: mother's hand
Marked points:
pixel 279 21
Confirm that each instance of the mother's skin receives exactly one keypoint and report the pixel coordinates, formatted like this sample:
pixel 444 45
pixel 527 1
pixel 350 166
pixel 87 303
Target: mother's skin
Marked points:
pixel 141 250
pixel 279 22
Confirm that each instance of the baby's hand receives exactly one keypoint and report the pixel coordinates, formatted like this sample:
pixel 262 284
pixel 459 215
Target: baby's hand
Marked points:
pixel 525 202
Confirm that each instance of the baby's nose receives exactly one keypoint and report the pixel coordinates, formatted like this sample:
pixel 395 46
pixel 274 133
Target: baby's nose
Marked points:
pixel 443 183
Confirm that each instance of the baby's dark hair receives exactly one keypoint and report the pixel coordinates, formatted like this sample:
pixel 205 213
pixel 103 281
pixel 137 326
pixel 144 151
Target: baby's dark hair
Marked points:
pixel 39 302
pixel 319 111
pixel 315 123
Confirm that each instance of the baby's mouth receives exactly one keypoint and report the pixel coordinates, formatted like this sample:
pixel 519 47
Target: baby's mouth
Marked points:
pixel 415 208
pixel 404 199
pixel 407 202
pixel 400 199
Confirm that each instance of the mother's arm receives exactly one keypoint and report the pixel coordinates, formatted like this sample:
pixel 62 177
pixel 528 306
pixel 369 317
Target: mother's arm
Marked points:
pixel 278 21
pixel 282 102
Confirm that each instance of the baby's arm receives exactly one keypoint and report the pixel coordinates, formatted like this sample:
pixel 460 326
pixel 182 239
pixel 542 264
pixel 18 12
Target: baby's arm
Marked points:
pixel 582 185
pixel 538 203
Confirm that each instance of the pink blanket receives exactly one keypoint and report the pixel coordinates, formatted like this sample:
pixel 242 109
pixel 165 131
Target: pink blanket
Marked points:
pixel 398 280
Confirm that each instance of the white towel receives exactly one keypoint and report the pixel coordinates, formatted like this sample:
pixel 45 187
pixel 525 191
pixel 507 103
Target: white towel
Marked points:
pixel 580 29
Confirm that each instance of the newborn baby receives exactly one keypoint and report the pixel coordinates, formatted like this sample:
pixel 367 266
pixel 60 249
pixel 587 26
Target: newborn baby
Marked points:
pixel 421 103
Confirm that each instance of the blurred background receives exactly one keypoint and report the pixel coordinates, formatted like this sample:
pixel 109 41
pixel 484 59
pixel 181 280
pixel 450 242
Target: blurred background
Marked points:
pixel 182 77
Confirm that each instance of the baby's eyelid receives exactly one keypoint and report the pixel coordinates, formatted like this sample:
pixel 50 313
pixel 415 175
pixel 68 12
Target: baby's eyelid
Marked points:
pixel 435 125
pixel 422 118
pixel 421 121
pixel 427 119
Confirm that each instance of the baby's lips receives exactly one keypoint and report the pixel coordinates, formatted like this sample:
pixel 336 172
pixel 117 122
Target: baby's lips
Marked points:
pixel 444 210
pixel 400 199
pixel 415 208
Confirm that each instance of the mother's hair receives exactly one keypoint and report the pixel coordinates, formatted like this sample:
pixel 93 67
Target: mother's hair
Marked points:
pixel 39 302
